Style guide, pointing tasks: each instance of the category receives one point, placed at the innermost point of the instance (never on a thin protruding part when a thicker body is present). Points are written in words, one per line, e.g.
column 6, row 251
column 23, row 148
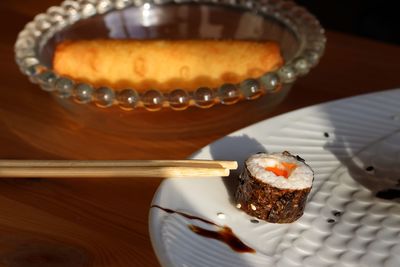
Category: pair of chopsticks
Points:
column 114, row 168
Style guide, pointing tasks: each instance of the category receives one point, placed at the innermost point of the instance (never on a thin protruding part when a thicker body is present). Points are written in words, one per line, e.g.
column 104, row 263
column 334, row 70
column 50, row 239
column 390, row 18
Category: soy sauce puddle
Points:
column 224, row 234
column 389, row 194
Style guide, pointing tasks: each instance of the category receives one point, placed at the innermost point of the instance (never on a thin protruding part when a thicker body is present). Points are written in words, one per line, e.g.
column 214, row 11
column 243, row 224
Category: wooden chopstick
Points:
column 115, row 168
column 232, row 165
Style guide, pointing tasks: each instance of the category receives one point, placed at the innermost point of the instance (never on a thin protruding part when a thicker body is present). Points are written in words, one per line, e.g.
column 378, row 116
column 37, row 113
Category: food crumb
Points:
column 330, row 220
column 238, row 205
column 253, row 207
column 336, row 213
column 326, row 134
column 369, row 168
column 221, row 215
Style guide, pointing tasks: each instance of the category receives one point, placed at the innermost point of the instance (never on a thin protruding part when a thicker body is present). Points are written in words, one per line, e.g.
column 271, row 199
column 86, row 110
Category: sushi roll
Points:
column 274, row 187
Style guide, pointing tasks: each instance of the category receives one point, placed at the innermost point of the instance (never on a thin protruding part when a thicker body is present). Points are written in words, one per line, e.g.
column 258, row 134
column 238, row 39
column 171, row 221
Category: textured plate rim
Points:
column 276, row 122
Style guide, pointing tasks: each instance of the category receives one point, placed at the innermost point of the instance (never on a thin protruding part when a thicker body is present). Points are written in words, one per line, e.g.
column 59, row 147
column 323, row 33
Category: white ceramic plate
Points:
column 353, row 145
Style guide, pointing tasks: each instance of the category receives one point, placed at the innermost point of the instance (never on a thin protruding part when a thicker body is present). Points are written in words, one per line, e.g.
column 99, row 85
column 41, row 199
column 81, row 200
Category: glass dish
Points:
column 298, row 33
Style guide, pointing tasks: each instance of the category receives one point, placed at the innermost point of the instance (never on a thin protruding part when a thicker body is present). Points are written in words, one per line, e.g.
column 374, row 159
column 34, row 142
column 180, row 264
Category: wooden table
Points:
column 103, row 222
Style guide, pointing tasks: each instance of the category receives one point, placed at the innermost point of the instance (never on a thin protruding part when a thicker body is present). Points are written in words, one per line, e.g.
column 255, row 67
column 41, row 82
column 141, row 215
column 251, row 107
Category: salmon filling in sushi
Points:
column 274, row 187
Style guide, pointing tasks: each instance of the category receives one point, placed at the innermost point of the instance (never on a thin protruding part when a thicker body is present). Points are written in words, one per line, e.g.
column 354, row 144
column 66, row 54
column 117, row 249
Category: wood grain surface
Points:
column 83, row 222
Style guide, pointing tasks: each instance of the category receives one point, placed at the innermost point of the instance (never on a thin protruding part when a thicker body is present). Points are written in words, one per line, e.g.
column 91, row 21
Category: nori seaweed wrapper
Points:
column 269, row 203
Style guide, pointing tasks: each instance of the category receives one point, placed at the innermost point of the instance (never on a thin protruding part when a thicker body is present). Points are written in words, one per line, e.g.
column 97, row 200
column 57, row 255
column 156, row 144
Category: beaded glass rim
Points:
column 56, row 18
